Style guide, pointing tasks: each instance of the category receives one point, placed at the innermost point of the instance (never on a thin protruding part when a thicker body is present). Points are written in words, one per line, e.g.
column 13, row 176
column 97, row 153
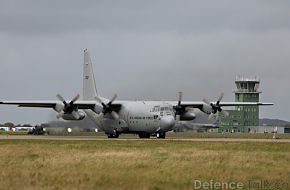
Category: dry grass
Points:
column 13, row 132
column 36, row 164
column 228, row 135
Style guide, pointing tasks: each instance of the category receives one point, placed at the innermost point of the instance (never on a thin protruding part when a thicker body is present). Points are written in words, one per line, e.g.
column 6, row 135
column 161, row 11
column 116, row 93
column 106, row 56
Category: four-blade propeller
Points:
column 178, row 108
column 216, row 107
column 107, row 108
column 68, row 107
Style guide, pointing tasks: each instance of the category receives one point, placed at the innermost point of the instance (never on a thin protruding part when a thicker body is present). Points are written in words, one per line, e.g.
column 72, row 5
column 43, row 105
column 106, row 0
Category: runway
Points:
column 135, row 138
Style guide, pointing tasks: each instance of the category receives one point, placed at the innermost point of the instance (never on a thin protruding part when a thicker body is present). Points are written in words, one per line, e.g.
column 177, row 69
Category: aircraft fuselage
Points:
column 137, row 117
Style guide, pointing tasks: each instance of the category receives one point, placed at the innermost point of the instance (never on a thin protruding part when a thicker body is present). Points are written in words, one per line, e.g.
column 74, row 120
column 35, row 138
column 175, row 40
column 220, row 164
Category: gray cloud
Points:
column 143, row 50
column 50, row 17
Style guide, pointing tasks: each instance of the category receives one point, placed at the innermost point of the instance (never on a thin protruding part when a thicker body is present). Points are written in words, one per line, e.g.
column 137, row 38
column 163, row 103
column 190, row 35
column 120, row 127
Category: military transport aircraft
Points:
column 145, row 118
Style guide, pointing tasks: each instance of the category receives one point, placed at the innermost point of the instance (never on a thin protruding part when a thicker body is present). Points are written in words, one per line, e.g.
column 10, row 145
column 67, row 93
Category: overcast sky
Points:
column 143, row 50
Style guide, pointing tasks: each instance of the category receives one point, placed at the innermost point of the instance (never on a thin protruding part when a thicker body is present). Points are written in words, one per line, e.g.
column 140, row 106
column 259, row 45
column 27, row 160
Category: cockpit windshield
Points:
column 166, row 110
column 163, row 110
column 156, row 109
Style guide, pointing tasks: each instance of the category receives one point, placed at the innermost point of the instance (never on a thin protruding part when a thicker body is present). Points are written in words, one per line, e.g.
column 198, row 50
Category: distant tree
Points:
column 9, row 124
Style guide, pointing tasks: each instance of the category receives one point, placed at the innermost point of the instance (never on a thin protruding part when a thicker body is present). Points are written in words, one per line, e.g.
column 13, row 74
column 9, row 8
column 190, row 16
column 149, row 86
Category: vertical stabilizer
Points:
column 89, row 84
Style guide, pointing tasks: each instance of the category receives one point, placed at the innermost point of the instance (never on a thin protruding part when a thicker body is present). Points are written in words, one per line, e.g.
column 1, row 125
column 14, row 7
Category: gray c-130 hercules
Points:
column 114, row 117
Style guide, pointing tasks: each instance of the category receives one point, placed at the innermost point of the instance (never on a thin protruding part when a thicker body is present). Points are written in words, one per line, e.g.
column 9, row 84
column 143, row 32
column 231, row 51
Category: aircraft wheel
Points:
column 113, row 136
column 161, row 135
column 144, row 135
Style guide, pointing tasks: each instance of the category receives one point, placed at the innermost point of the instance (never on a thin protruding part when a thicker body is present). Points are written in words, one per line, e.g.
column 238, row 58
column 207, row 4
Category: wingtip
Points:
column 266, row 104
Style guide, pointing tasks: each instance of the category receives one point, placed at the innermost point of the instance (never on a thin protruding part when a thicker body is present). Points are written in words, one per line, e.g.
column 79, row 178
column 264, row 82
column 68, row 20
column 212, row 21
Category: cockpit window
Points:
column 156, row 108
column 165, row 109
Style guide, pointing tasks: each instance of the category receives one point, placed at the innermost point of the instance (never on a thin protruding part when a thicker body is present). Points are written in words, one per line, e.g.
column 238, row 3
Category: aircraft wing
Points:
column 91, row 104
column 50, row 104
column 211, row 107
column 200, row 125
column 245, row 104
column 199, row 104
column 207, row 126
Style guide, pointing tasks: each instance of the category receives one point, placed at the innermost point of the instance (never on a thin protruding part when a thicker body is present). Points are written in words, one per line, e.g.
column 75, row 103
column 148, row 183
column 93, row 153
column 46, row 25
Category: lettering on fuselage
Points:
column 148, row 118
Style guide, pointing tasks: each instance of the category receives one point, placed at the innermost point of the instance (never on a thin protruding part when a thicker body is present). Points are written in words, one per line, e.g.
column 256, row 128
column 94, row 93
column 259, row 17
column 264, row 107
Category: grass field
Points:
column 154, row 164
column 13, row 132
column 171, row 135
column 228, row 135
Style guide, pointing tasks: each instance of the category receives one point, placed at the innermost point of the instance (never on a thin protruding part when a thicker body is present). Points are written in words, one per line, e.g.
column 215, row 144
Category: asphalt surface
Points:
column 135, row 138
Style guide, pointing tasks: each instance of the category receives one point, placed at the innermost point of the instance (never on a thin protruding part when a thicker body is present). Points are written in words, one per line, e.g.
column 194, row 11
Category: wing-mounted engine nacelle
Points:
column 76, row 115
column 182, row 113
column 187, row 116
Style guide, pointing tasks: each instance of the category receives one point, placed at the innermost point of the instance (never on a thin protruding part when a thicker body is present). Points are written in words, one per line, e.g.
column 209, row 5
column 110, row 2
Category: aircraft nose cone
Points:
column 167, row 123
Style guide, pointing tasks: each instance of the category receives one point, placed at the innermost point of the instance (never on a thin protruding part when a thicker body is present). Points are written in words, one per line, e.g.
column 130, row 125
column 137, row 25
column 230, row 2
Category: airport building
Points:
column 242, row 118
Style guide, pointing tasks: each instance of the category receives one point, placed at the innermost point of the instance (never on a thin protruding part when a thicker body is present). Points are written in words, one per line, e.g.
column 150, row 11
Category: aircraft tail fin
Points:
column 89, row 83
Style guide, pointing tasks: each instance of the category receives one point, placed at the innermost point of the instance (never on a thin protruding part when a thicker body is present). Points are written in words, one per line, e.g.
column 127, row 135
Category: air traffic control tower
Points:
column 247, row 90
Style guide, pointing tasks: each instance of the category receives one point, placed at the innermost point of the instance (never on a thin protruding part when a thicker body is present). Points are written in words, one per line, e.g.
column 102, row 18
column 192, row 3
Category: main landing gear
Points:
column 160, row 135
column 144, row 135
column 114, row 135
